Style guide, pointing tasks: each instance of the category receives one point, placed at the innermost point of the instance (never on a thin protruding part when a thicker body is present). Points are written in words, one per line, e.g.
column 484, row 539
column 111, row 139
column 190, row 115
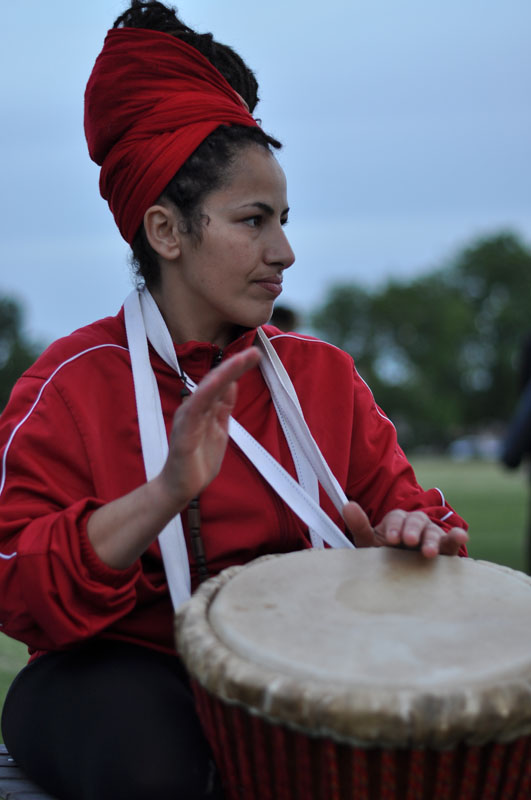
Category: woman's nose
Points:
column 280, row 252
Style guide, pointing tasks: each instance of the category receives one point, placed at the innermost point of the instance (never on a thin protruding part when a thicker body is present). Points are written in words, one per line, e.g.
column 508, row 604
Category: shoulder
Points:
column 80, row 365
column 298, row 342
column 294, row 346
column 100, row 340
column 77, row 374
column 322, row 367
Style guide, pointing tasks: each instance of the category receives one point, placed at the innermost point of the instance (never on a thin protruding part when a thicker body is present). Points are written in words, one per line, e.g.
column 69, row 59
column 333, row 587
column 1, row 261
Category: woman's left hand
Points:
column 411, row 529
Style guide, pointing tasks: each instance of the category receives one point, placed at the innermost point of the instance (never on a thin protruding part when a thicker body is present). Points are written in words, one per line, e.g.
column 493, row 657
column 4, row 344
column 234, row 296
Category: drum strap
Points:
column 143, row 322
column 305, row 450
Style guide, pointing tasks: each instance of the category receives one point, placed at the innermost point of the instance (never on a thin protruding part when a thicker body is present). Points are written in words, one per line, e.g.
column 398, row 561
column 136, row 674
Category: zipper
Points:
column 216, row 361
column 194, row 514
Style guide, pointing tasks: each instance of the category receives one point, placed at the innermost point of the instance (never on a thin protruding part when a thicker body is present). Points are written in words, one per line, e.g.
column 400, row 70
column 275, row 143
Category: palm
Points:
column 199, row 434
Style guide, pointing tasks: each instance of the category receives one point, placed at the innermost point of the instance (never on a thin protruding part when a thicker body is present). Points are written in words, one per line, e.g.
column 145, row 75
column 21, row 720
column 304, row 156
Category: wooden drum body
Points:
column 374, row 673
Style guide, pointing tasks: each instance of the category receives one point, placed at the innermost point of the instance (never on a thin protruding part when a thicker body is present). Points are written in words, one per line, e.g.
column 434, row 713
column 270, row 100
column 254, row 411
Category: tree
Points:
column 494, row 275
column 440, row 351
column 16, row 352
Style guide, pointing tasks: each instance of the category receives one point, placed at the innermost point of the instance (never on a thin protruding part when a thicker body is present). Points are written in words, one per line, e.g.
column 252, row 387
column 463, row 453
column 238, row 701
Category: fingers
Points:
column 202, row 420
column 415, row 530
column 410, row 529
column 405, row 527
column 452, row 541
column 218, row 387
column 358, row 524
column 199, row 434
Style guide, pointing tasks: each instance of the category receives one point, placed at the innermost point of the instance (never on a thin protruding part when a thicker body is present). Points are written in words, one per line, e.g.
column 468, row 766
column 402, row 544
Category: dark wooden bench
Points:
column 13, row 783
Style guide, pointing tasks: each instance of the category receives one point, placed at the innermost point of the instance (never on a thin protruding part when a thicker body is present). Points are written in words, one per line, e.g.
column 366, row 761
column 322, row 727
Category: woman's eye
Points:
column 253, row 222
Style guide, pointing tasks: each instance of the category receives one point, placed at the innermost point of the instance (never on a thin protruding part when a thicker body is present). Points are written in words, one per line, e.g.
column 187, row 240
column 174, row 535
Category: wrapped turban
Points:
column 150, row 101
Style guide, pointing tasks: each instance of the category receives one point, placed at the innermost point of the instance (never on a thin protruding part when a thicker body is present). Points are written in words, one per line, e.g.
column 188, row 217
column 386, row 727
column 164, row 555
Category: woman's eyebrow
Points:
column 265, row 207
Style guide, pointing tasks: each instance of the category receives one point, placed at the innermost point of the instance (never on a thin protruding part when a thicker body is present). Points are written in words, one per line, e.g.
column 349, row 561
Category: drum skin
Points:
column 372, row 673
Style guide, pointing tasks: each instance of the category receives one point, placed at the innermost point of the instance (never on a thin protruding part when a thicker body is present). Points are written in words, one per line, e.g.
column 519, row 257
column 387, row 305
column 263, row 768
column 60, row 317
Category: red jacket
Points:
column 70, row 443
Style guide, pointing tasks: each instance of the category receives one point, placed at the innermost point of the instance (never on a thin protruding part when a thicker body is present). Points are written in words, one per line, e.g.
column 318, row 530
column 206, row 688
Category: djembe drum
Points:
column 375, row 673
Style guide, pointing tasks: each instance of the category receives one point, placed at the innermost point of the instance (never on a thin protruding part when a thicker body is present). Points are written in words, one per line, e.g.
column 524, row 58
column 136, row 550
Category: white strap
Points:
column 291, row 492
column 154, row 442
column 305, row 472
column 286, row 399
column 143, row 317
column 294, row 424
column 309, row 461
column 156, row 330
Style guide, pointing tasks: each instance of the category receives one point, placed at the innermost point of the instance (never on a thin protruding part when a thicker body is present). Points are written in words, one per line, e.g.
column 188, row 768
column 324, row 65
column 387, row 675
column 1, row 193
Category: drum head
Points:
column 371, row 645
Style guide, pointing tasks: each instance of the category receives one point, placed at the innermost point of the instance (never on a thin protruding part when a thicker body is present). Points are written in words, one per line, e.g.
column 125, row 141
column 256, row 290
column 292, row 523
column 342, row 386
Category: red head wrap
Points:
column 150, row 101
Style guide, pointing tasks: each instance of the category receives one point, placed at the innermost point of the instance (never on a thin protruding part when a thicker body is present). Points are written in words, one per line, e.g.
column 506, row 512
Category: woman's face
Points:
column 234, row 275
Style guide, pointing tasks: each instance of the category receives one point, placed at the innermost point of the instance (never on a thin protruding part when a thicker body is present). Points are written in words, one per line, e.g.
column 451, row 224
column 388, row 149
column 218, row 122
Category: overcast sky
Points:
column 406, row 129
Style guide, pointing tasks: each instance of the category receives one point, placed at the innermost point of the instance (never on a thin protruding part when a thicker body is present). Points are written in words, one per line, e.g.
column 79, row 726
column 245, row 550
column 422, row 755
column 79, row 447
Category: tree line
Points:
column 440, row 352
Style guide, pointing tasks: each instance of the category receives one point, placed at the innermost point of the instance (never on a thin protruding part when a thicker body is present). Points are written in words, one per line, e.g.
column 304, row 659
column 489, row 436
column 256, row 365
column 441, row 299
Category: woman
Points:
column 103, row 709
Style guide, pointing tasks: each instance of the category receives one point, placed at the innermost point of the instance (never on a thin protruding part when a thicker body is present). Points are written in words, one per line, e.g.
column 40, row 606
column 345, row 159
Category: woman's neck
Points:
column 185, row 326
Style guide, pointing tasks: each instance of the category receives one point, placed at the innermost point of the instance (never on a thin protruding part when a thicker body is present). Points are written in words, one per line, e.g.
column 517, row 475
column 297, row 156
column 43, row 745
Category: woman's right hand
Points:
column 123, row 529
column 199, row 432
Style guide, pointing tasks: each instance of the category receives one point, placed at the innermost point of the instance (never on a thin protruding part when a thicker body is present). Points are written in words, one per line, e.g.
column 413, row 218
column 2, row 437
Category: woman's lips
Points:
column 272, row 285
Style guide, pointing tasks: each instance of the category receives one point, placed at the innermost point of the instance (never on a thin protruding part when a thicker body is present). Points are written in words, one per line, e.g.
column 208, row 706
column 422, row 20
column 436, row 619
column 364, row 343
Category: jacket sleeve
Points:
column 54, row 590
column 381, row 477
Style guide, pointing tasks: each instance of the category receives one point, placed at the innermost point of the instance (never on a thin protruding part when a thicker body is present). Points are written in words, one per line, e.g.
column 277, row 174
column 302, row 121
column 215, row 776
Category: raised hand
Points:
column 199, row 432
column 121, row 530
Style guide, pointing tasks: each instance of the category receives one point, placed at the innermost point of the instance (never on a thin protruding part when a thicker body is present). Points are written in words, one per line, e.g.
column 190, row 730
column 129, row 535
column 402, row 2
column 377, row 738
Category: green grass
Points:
column 493, row 501
column 13, row 656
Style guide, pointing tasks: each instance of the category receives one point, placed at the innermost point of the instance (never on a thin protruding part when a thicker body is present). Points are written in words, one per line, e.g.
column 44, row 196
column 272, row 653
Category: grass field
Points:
column 493, row 501
column 13, row 655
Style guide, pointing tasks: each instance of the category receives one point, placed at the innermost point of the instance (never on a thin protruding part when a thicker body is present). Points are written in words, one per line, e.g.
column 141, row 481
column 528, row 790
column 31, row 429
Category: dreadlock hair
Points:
column 209, row 166
column 158, row 17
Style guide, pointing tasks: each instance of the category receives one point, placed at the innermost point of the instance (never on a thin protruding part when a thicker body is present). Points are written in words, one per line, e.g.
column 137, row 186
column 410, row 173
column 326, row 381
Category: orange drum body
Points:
column 335, row 674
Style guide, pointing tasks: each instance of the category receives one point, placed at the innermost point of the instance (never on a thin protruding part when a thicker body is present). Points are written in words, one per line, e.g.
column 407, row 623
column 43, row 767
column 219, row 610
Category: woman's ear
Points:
column 162, row 231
